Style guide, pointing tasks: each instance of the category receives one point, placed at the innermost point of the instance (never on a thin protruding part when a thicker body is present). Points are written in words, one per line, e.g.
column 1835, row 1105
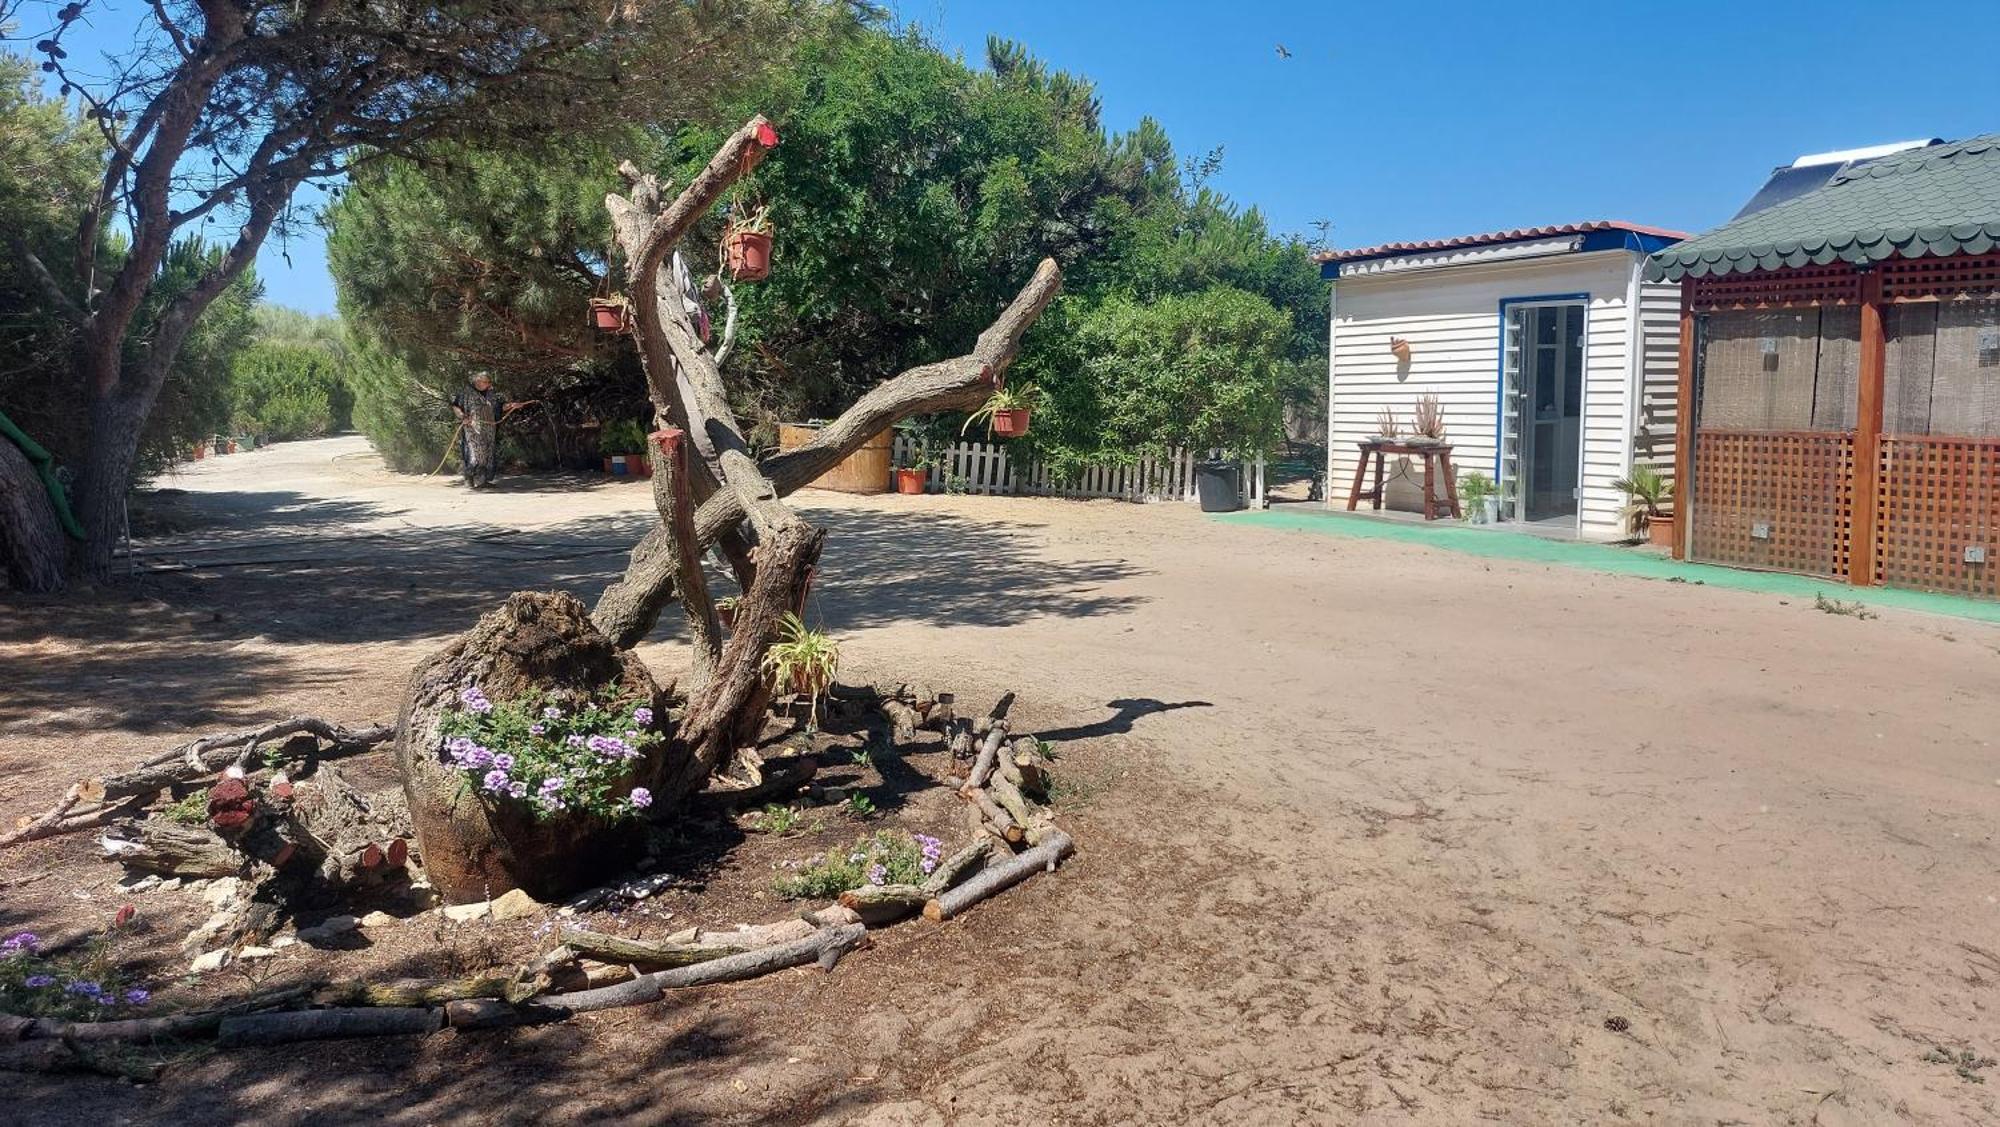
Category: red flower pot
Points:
column 1660, row 530
column 911, row 481
column 749, row 255
column 1012, row 423
column 607, row 315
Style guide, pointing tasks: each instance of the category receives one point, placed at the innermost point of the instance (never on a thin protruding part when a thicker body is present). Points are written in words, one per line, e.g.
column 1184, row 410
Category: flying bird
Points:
column 1283, row 52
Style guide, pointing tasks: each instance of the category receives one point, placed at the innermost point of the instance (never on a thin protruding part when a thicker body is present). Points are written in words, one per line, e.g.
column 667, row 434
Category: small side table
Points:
column 1437, row 461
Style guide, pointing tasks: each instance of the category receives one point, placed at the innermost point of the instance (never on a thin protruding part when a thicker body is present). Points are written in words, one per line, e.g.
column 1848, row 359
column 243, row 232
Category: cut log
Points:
column 824, row 946
column 170, row 849
column 483, row 1013
column 960, row 741
column 351, row 838
column 749, row 936
column 961, row 862
column 989, row 751
column 1031, row 766
column 904, row 720
column 647, row 954
column 878, row 904
column 998, row 878
column 322, row 1025
column 1025, row 814
column 1002, row 822
column 422, row 991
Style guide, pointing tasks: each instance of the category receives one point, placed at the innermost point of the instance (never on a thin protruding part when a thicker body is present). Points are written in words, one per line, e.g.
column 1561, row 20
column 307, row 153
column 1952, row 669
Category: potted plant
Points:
column 624, row 446
column 747, row 246
column 1006, row 412
column 1480, row 497
column 1648, row 508
column 608, row 314
column 803, row 661
column 1427, row 422
column 914, row 475
column 1387, row 427
column 725, row 610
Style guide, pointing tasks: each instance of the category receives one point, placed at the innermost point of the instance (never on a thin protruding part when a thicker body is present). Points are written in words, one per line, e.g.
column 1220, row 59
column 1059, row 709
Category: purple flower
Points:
column 37, row 981
column 552, row 713
column 22, row 941
column 474, row 700
column 877, row 874
column 631, row 734
column 138, row 996
column 641, row 798
column 553, row 784
column 479, row 757
column 496, row 781
column 575, row 741
column 517, row 789
column 642, row 716
column 503, row 762
column 84, row 987
column 538, row 729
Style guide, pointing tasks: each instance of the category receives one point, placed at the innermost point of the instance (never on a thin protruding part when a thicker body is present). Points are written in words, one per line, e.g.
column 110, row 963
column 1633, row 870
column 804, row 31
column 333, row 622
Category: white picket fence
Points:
column 984, row 468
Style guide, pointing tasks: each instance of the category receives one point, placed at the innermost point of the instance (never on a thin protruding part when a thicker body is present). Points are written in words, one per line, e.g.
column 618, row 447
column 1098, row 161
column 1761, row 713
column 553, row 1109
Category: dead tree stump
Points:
column 475, row 847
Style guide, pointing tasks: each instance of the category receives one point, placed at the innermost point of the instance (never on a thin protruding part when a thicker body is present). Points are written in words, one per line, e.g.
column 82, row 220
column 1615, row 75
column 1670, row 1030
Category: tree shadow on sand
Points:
column 197, row 637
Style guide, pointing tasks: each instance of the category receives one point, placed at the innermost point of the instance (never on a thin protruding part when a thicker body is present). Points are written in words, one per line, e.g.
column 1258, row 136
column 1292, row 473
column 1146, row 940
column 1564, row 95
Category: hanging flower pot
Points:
column 911, row 480
column 749, row 255
column 608, row 314
column 1010, row 423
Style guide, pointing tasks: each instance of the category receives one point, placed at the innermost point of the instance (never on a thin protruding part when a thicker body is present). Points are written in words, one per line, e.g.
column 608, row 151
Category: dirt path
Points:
column 1374, row 833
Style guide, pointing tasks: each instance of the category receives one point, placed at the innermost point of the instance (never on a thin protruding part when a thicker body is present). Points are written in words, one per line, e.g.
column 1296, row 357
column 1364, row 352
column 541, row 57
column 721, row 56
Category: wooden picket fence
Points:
column 984, row 468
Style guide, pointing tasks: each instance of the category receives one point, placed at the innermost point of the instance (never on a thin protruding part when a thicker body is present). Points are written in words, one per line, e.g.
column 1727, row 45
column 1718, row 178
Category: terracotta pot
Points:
column 607, row 463
column 749, row 255
column 200, row 451
column 911, row 481
column 642, row 464
column 608, row 316
column 1011, row 423
column 1660, row 530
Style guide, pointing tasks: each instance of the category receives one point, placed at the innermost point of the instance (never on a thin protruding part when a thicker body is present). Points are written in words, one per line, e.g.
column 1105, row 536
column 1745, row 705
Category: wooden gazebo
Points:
column 1840, row 377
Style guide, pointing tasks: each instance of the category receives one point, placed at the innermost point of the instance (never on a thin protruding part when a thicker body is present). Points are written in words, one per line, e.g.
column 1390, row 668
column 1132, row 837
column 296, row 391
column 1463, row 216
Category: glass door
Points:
column 1541, row 410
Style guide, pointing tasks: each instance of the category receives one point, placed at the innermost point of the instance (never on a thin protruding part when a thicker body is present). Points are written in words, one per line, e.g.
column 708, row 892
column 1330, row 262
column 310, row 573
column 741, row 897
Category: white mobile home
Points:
column 1552, row 356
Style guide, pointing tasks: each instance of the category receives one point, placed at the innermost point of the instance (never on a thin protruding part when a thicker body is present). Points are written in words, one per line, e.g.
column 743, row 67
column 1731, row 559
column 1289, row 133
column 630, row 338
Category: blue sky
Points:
column 1411, row 119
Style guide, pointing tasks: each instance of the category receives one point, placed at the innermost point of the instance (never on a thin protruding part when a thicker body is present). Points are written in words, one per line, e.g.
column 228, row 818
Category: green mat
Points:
column 1497, row 544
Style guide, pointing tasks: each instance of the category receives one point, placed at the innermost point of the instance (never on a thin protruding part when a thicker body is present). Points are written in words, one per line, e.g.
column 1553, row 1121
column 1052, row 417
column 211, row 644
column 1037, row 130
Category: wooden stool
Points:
column 1437, row 460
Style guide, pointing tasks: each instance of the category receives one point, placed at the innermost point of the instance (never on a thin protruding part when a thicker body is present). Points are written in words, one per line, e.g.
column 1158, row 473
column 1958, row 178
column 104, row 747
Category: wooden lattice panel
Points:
column 1776, row 500
column 1939, row 496
column 1916, row 279
column 1835, row 284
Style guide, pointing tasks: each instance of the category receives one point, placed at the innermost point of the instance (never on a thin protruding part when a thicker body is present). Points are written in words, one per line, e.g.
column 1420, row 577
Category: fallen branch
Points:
column 644, row 953
column 999, row 878
column 323, row 1025
column 105, row 797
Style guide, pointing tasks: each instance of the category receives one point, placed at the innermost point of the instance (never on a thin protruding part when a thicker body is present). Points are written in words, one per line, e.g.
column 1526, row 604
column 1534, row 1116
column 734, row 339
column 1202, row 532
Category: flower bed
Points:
column 85, row 987
column 885, row 857
column 550, row 758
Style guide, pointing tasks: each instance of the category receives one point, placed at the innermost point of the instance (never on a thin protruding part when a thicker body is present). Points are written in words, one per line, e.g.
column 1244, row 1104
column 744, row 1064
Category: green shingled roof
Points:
column 1940, row 200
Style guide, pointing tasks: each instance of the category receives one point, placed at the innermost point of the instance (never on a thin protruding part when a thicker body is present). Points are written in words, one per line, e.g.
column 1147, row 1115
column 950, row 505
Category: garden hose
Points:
column 45, row 468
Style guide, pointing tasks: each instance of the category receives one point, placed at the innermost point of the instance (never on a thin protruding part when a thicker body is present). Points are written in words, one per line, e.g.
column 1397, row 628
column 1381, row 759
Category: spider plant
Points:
column 754, row 221
column 1387, row 425
column 803, row 660
column 1002, row 400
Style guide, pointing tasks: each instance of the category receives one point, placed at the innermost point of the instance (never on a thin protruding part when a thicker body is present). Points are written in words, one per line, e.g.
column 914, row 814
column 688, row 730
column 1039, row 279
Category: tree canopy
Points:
column 909, row 193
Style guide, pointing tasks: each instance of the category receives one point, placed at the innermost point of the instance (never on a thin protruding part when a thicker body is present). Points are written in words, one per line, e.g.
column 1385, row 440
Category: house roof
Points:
column 1936, row 200
column 1492, row 238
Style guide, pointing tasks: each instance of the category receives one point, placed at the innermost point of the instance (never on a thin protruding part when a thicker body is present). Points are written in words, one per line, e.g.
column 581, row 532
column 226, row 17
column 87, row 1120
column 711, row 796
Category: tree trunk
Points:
column 32, row 546
column 476, row 847
column 99, row 502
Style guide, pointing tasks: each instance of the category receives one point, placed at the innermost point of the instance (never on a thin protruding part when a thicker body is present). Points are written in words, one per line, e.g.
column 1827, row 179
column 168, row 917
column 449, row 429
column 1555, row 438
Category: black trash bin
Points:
column 1216, row 484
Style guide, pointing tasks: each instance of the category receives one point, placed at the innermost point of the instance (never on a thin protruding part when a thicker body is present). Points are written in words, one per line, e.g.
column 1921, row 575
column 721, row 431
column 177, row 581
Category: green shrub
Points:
column 285, row 391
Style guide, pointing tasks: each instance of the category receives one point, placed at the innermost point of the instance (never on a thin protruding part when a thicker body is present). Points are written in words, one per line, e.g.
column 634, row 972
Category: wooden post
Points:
column 1867, row 434
column 1684, row 408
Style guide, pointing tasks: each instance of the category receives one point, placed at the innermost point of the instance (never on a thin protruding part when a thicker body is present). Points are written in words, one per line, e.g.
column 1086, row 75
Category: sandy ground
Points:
column 1371, row 833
